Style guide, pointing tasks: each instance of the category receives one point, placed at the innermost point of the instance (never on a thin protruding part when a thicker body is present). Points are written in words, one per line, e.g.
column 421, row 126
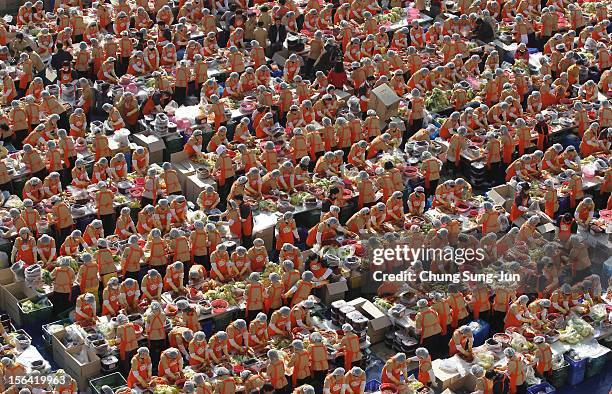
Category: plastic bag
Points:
column 82, row 357
column 530, row 377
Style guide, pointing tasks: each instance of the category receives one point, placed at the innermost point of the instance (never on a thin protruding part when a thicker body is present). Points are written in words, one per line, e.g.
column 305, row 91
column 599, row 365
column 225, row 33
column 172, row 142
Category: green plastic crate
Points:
column 595, row 365
column 558, row 376
column 39, row 316
column 222, row 320
column 114, row 380
column 47, row 336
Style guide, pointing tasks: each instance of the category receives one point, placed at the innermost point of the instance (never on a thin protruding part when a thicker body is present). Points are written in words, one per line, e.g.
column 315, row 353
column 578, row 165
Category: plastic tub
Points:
column 576, row 371
column 37, row 317
column 544, row 387
column 114, row 380
column 45, row 329
column 372, row 386
column 595, row 365
column 481, row 335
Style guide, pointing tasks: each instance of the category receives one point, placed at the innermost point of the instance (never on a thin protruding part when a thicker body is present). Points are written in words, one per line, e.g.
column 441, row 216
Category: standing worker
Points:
column 88, row 277
column 515, row 370
column 126, row 338
column 63, row 278
column 105, row 209
column 349, row 346
column 318, row 360
column 155, row 321
column 300, row 361
column 254, row 296
column 428, row 326
column 543, row 356
column 276, row 372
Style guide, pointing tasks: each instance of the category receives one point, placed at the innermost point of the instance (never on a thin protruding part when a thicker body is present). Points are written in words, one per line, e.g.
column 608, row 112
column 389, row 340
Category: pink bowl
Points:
column 183, row 123
column 132, row 88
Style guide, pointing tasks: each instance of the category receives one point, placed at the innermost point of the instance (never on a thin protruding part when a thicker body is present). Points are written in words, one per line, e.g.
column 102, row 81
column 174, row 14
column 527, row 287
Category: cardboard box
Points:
column 183, row 167
column 12, row 295
column 384, row 101
column 452, row 382
column 116, row 148
column 548, row 231
column 355, row 280
column 502, row 195
column 194, row 186
column 6, row 278
column 378, row 323
column 267, row 234
column 154, row 144
column 58, row 348
column 334, row 291
column 82, row 373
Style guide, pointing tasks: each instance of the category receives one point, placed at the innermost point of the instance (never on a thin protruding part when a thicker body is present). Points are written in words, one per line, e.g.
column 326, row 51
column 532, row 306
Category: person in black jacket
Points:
column 277, row 33
column 60, row 57
column 483, row 31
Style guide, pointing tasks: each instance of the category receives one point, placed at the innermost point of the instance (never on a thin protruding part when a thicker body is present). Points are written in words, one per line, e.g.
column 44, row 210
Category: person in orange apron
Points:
column 461, row 342
column 515, row 370
column 225, row 383
column 220, row 265
column 125, row 225
column 459, row 314
column 65, row 383
column 258, row 331
column 254, row 293
column 152, row 286
column 24, row 248
column 179, row 338
column 567, row 226
column 355, row 381
column 85, row 311
column 483, row 384
column 515, row 317
column 218, row 347
column 561, row 299
column 276, row 372
column 301, row 290
column 394, row 369
column 198, row 351
column 238, row 335
column 126, row 338
column 141, row 369
column 242, row 265
column 427, row 326
column 442, row 307
column 63, row 279
column 104, row 258
column 110, row 298
column 349, row 346
column 280, row 322
column 170, row 365
column 173, row 279
column 521, row 203
column 155, row 319
column 425, row 375
column 286, row 231
column 300, row 361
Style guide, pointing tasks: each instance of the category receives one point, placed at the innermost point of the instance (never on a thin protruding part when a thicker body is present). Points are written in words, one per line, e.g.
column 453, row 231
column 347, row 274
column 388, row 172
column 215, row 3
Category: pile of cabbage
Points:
column 576, row 330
